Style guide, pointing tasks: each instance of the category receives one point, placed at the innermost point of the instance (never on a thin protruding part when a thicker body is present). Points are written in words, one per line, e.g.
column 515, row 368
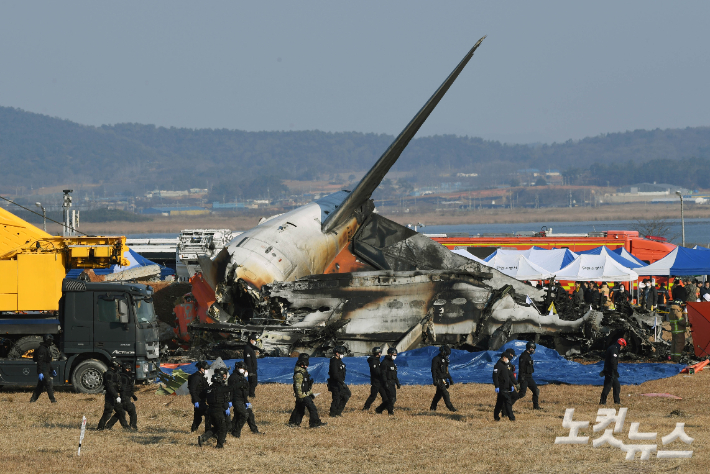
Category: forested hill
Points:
column 39, row 150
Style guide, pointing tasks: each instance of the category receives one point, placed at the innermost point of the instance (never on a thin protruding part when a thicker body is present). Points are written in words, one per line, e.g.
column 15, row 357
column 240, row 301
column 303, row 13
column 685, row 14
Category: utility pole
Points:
column 44, row 215
column 682, row 219
column 67, row 229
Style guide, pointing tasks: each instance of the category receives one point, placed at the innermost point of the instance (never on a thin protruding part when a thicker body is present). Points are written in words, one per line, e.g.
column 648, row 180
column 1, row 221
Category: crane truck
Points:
column 93, row 323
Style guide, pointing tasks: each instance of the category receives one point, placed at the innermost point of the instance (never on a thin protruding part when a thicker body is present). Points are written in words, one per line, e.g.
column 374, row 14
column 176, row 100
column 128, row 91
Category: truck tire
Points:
column 25, row 347
column 88, row 377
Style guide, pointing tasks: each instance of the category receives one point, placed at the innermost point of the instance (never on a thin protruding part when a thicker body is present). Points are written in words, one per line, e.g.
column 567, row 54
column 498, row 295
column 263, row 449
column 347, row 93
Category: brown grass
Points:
column 43, row 438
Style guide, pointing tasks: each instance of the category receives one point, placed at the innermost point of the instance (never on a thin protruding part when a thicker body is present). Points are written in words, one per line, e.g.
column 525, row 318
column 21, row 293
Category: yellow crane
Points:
column 33, row 263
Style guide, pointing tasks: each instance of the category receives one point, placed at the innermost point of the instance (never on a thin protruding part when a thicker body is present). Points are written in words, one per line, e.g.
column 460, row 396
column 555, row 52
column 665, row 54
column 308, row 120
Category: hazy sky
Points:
column 548, row 71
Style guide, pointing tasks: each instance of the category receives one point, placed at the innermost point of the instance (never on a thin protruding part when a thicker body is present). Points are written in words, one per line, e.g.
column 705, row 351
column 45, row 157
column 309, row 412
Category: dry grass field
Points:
column 41, row 437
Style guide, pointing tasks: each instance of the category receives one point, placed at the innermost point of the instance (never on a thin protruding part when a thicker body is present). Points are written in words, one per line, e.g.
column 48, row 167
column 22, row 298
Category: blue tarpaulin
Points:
column 414, row 368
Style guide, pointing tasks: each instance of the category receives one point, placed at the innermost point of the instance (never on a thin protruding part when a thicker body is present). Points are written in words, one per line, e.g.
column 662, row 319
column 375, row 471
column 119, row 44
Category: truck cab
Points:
column 96, row 322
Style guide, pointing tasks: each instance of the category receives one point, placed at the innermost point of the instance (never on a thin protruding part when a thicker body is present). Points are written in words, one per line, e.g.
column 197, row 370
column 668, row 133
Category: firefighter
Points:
column 441, row 378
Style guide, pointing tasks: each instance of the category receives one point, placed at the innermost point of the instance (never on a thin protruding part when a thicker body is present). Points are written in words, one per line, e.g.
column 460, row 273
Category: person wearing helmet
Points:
column 219, row 400
column 127, row 386
column 239, row 385
column 441, row 378
column 377, row 383
column 43, row 357
column 504, row 385
column 251, row 353
column 525, row 375
column 112, row 396
column 610, row 372
column 197, row 386
column 336, row 382
column 389, row 374
column 302, row 389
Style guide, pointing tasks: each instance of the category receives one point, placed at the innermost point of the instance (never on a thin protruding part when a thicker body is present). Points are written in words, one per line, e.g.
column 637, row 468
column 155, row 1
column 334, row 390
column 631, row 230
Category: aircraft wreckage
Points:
column 335, row 272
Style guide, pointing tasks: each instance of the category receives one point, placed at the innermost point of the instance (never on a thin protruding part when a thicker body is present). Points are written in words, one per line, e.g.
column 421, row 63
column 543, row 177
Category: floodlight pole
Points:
column 44, row 215
column 682, row 218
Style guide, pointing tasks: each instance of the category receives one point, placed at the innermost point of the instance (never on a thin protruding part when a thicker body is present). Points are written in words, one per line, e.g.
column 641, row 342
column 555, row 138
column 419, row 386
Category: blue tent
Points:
column 623, row 253
column 612, row 254
column 414, row 368
column 679, row 262
column 136, row 259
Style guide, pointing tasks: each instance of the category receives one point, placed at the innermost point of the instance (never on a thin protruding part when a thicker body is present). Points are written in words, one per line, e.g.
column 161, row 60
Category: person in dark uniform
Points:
column 127, row 391
column 441, row 378
column 389, row 375
column 611, row 373
column 239, row 386
column 219, row 401
column 678, row 292
column 336, row 382
column 43, row 357
column 302, row 384
column 525, row 375
column 112, row 396
column 504, row 385
column 377, row 383
column 250, row 355
column 197, row 386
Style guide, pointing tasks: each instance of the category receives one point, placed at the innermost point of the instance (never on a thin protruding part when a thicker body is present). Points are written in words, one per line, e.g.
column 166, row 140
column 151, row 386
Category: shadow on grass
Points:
column 441, row 414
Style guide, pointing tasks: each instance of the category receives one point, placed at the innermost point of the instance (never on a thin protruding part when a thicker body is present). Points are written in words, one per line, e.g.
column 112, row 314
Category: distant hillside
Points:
column 36, row 150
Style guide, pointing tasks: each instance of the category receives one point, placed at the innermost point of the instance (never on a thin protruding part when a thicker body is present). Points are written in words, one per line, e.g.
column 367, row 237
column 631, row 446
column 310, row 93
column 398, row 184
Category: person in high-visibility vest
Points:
column 678, row 325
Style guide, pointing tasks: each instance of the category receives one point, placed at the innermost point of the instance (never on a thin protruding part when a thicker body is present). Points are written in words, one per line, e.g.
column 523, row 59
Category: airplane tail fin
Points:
column 372, row 179
column 213, row 270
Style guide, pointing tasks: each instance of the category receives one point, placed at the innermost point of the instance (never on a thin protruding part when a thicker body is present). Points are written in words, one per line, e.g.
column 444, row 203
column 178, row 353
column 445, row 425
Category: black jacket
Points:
column 239, row 385
column 128, row 386
column 525, row 366
column 43, row 358
column 375, row 370
column 336, row 372
column 389, row 371
column 218, row 397
column 611, row 360
column 250, row 359
column 112, row 384
column 440, row 369
column 502, row 376
column 679, row 293
column 197, row 385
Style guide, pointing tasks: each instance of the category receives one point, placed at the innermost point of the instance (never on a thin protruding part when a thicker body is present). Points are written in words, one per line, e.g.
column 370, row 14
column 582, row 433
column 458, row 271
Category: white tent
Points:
column 465, row 253
column 551, row 260
column 596, row 268
column 518, row 267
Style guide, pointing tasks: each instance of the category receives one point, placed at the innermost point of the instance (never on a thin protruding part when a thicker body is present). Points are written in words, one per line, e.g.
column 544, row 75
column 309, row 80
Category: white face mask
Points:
column 394, row 357
column 241, row 371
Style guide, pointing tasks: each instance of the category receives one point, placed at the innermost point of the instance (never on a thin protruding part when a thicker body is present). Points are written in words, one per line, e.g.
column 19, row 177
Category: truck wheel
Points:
column 88, row 377
column 25, row 347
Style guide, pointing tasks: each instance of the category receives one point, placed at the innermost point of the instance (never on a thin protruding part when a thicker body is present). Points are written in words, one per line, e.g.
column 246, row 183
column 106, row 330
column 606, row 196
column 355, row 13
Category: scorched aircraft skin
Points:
column 271, row 279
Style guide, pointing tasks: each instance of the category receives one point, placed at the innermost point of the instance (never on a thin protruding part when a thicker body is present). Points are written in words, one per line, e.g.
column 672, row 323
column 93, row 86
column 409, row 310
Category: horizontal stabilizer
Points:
column 213, row 270
column 374, row 177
